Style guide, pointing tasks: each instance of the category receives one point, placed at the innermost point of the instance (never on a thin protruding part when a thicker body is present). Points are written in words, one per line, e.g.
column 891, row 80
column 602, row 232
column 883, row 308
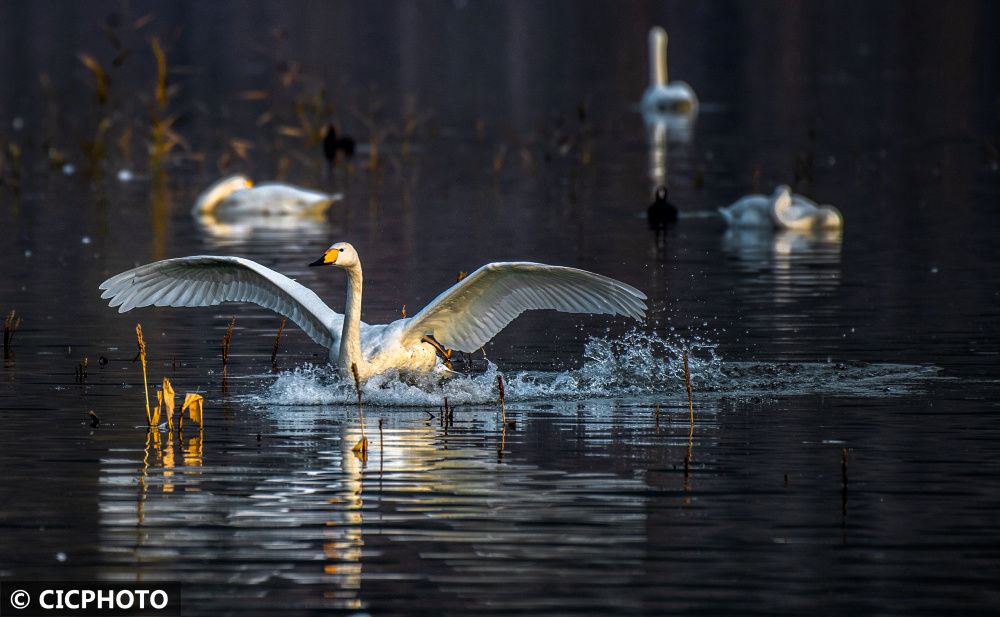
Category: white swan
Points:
column 465, row 317
column 236, row 196
column 802, row 213
column 782, row 210
column 756, row 210
column 662, row 97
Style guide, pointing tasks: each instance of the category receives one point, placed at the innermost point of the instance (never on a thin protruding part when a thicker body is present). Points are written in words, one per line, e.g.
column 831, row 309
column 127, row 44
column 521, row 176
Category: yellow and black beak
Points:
column 328, row 259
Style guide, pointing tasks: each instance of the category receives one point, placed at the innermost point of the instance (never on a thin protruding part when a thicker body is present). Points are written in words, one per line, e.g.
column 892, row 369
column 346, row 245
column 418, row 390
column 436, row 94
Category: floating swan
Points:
column 782, row 210
column 237, row 196
column 802, row 213
column 662, row 97
column 465, row 317
column 756, row 210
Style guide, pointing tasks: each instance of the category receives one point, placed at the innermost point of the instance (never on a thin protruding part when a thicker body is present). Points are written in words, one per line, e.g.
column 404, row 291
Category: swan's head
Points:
column 781, row 198
column 219, row 191
column 340, row 254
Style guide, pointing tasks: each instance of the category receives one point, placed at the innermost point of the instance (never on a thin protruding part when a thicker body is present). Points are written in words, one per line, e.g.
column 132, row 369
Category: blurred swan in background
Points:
column 756, row 210
column 662, row 97
column 802, row 213
column 236, row 196
column 782, row 210
column 464, row 317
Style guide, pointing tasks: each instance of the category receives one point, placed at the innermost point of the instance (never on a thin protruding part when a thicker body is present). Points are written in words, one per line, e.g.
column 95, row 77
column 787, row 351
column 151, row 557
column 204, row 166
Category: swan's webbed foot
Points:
column 445, row 353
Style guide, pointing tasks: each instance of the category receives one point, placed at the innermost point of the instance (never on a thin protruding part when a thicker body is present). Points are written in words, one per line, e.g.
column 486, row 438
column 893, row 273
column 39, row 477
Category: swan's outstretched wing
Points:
column 472, row 311
column 206, row 280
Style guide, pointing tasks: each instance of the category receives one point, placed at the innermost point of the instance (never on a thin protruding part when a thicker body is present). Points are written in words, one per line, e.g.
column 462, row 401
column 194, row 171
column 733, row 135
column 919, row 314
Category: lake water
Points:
column 840, row 451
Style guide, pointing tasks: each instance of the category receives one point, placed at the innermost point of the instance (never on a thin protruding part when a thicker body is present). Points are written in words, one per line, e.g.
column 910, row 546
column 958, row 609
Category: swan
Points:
column 237, row 196
column 782, row 210
column 801, row 213
column 662, row 97
column 464, row 317
column 756, row 210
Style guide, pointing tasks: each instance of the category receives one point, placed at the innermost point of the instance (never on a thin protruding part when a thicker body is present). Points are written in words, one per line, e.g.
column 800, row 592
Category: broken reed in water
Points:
column 9, row 328
column 503, row 407
column 81, row 370
column 274, row 352
column 362, row 445
column 225, row 344
column 687, row 382
column 165, row 396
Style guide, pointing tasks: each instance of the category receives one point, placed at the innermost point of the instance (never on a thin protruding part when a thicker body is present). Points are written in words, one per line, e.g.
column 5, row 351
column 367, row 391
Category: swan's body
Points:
column 237, row 196
column 782, row 210
column 464, row 317
column 757, row 210
column 802, row 213
column 662, row 97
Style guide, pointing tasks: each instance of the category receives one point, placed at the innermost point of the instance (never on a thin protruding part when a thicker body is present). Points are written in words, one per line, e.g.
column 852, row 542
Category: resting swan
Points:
column 756, row 210
column 662, row 97
column 236, row 196
column 782, row 210
column 465, row 317
column 802, row 213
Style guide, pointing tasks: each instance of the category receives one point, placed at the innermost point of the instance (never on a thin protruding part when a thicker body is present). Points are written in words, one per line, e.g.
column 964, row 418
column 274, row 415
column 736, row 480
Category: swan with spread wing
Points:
column 464, row 317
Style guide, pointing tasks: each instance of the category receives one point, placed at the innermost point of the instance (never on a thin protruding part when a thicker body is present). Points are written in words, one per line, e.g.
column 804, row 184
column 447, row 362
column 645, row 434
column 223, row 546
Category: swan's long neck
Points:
column 350, row 336
column 657, row 57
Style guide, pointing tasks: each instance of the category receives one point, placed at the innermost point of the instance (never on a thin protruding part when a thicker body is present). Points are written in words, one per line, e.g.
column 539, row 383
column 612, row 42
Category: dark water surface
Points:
column 510, row 131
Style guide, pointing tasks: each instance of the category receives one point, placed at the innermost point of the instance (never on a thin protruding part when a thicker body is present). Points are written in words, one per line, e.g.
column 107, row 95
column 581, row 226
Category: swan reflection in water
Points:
column 302, row 511
column 793, row 263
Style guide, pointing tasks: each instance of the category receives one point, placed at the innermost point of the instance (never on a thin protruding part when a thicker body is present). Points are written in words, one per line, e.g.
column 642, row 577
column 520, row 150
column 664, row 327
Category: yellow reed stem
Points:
column 145, row 386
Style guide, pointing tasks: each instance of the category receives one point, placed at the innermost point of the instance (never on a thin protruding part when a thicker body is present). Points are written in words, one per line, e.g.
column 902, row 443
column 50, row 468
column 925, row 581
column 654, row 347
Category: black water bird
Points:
column 332, row 143
column 661, row 213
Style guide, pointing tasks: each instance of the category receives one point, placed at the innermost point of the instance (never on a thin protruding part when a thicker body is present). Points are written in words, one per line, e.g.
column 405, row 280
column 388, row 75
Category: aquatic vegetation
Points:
column 100, row 77
column 145, row 384
column 165, row 397
column 687, row 383
column 225, row 344
column 362, row 446
column 10, row 326
column 81, row 370
column 277, row 339
column 501, row 398
column 193, row 405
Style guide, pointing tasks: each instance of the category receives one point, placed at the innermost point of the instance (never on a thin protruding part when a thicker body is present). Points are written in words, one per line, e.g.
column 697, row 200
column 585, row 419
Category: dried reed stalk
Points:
column 362, row 445
column 274, row 352
column 145, row 386
column 225, row 344
column 9, row 328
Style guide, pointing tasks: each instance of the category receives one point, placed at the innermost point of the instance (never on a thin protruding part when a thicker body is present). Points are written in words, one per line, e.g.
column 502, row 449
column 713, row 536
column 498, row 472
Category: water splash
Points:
column 637, row 365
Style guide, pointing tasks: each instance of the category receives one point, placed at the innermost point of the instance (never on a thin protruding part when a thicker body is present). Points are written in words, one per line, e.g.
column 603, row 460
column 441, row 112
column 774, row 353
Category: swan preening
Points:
column 464, row 317
column 782, row 210
column 662, row 97
column 236, row 196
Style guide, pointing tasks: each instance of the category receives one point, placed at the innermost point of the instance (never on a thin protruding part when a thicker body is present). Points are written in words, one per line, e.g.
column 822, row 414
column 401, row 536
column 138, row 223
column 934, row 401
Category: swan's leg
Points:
column 445, row 353
column 430, row 340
